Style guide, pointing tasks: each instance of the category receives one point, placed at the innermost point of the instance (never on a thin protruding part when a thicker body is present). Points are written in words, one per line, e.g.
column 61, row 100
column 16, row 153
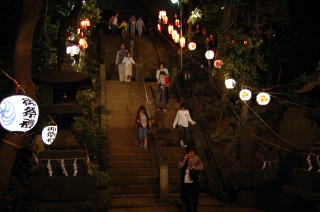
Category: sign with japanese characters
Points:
column 18, row 113
column 48, row 134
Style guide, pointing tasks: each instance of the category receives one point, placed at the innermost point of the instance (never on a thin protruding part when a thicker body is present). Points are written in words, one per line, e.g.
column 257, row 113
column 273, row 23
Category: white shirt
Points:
column 128, row 61
column 183, row 118
column 159, row 70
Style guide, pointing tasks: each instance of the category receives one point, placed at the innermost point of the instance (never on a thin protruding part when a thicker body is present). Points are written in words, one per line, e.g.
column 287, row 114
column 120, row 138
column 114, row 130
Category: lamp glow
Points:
column 72, row 50
column 165, row 19
column 263, row 98
column 192, row 46
column 162, row 13
column 174, row 1
column 83, row 43
column 177, row 38
column 48, row 134
column 230, row 83
column 159, row 27
column 209, row 55
column 18, row 113
column 245, row 94
column 170, row 29
column 218, row 63
column 182, row 42
column 177, row 23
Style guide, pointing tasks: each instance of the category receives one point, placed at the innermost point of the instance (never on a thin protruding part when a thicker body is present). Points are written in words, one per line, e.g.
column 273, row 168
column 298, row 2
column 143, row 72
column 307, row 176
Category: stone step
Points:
column 134, row 189
column 138, row 164
column 143, row 156
column 135, row 149
column 134, row 180
column 141, row 171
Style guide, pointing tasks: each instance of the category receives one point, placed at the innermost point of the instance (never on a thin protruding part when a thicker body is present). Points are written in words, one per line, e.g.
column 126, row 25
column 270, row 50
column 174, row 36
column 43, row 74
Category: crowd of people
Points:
column 190, row 165
column 129, row 28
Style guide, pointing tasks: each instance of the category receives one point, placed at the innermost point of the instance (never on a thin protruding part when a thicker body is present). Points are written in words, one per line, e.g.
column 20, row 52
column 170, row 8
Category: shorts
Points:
column 142, row 133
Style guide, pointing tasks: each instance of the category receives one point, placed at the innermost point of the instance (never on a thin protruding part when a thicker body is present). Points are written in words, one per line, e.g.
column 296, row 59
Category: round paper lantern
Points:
column 263, row 98
column 218, row 63
column 165, row 19
column 18, row 113
column 83, row 43
column 245, row 94
column 177, row 23
column 177, row 38
column 174, row 1
column 230, row 83
column 72, row 50
column 174, row 34
column 162, row 13
column 209, row 54
column 182, row 42
column 192, row 46
column 48, row 134
column 170, row 29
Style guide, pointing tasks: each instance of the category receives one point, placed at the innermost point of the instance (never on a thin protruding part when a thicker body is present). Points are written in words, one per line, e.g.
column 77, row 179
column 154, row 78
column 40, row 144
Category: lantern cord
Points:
column 275, row 145
column 270, row 128
column 10, row 143
column 258, row 117
column 11, row 78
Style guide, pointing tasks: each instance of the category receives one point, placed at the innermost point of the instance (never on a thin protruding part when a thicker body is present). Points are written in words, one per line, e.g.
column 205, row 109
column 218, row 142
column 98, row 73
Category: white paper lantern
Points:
column 48, row 134
column 18, row 113
column 192, row 46
column 209, row 54
column 72, row 50
column 230, row 83
column 263, row 98
column 245, row 94
column 174, row 1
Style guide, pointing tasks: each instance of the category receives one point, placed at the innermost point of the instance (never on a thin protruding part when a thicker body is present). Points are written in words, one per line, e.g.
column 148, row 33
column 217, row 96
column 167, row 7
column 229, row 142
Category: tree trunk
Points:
column 22, row 70
column 63, row 30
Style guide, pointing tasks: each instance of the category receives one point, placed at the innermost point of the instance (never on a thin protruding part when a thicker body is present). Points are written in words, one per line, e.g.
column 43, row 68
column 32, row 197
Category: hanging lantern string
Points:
column 11, row 78
column 255, row 113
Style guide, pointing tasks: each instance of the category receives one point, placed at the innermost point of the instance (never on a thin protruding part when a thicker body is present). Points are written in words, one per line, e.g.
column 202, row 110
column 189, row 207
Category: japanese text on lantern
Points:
column 29, row 114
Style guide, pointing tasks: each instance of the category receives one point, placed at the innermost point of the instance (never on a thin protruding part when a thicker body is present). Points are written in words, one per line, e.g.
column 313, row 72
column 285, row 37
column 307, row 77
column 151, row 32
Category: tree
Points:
column 22, row 60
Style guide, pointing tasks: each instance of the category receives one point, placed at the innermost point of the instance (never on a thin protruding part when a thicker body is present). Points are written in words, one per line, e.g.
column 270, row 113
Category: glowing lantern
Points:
column 211, row 38
column 245, row 42
column 174, row 33
column 18, row 113
column 72, row 50
column 245, row 94
column 174, row 1
column 78, row 31
column 162, row 13
column 209, row 55
column 165, row 19
column 177, row 23
column 170, row 29
column 263, row 98
column 218, row 63
column 48, row 134
column 230, row 83
column 87, row 22
column 83, row 43
column 159, row 27
column 192, row 46
column 177, row 38
column 182, row 42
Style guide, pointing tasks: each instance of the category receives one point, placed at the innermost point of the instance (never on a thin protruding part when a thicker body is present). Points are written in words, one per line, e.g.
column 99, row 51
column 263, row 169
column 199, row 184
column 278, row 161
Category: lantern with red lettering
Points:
column 218, row 63
column 182, row 42
column 83, row 43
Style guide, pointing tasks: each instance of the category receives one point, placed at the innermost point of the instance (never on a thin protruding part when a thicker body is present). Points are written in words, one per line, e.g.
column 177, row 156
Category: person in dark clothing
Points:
column 190, row 167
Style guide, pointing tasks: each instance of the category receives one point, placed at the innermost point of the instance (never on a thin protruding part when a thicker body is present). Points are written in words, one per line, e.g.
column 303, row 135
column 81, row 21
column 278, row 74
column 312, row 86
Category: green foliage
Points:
column 195, row 16
column 103, row 179
column 91, row 11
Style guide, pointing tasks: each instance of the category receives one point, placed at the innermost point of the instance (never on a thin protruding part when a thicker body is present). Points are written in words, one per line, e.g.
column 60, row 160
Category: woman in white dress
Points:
column 128, row 63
